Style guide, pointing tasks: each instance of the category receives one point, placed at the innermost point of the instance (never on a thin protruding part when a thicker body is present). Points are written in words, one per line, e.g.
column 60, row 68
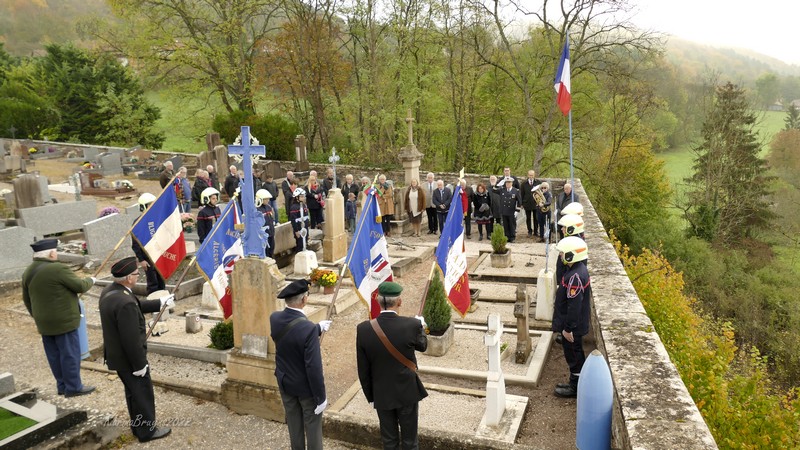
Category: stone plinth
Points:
column 334, row 244
column 545, row 295
column 305, row 262
column 411, row 158
column 521, row 314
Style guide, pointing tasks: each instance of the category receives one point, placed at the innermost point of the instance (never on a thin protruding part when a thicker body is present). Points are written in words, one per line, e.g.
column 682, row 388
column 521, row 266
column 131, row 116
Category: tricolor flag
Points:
column 160, row 233
column 562, row 84
column 368, row 255
column 220, row 250
column 451, row 258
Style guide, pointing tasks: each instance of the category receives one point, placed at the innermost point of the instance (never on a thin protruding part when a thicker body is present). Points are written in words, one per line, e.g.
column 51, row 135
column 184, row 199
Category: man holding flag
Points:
column 221, row 249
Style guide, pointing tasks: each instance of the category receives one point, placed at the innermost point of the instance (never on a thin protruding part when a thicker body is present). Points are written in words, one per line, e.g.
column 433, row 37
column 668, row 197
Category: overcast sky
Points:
column 771, row 27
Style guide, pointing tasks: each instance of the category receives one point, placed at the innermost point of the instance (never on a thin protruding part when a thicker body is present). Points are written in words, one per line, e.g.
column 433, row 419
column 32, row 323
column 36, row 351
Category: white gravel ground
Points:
column 470, row 342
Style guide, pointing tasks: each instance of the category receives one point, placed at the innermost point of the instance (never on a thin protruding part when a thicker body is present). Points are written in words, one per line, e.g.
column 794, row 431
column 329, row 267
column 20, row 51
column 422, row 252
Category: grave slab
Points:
column 104, row 233
column 17, row 253
column 524, row 269
column 111, row 164
column 7, row 386
column 57, row 218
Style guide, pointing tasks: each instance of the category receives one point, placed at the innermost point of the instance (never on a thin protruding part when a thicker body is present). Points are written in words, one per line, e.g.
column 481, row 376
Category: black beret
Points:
column 44, row 244
column 389, row 289
column 296, row 287
column 124, row 267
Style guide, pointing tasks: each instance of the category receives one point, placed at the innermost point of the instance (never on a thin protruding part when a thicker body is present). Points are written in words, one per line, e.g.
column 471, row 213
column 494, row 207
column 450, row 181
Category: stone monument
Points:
column 521, row 311
column 409, row 155
column 334, row 244
column 495, row 382
column 300, row 153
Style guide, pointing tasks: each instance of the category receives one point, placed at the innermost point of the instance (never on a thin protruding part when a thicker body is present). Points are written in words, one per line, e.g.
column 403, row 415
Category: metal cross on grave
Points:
column 253, row 239
column 333, row 159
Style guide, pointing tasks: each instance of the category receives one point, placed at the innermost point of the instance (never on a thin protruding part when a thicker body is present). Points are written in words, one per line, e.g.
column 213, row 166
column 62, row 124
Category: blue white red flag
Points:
column 368, row 255
column 452, row 259
column 216, row 257
column 562, row 84
column 160, row 233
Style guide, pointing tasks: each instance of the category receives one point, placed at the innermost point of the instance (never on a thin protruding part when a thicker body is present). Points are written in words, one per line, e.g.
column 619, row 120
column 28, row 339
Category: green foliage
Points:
column 732, row 389
column 768, row 89
column 792, row 120
column 222, row 335
column 499, row 240
column 437, row 309
column 22, row 106
column 272, row 130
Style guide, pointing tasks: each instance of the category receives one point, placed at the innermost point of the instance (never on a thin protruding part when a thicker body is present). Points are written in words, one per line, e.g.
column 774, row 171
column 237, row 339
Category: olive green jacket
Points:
column 51, row 296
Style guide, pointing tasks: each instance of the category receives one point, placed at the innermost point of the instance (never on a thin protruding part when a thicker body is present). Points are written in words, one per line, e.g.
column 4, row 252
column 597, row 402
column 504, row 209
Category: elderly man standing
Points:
column 125, row 343
column 288, row 186
column 166, row 174
column 441, row 201
column 387, row 368
column 50, row 293
column 212, row 176
column 298, row 367
column 429, row 185
column 231, row 181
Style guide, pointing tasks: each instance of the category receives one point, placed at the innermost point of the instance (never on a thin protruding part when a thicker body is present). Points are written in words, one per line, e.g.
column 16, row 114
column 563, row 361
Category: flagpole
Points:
column 136, row 222
column 427, row 286
column 571, row 166
column 209, row 238
column 164, row 307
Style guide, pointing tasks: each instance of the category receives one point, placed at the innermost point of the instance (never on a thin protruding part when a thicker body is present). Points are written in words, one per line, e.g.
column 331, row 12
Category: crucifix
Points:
column 253, row 238
column 333, row 159
column 410, row 121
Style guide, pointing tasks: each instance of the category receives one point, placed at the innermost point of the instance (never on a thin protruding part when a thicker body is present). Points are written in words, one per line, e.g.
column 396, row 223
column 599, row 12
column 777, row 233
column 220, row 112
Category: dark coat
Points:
column 442, row 199
column 272, row 188
column 510, row 201
column 480, row 199
column 205, row 220
column 294, row 216
column 384, row 379
column 164, row 178
column 124, row 327
column 298, row 361
column 230, row 185
column 573, row 295
column 327, row 185
column 496, row 199
column 50, row 293
column 200, row 184
column 468, row 192
column 347, row 189
column 315, row 197
column 564, row 200
column 527, row 196
column 286, row 188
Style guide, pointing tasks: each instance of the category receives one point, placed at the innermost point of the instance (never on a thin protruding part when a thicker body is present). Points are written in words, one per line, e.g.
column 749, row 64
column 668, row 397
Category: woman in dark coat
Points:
column 315, row 198
column 482, row 210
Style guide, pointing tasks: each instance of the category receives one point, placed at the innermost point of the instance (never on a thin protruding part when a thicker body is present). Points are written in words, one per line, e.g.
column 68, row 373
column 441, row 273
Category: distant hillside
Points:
column 737, row 65
column 26, row 26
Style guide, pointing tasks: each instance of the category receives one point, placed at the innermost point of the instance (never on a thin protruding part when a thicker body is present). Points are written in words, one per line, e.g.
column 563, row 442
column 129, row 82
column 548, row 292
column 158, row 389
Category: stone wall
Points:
column 652, row 407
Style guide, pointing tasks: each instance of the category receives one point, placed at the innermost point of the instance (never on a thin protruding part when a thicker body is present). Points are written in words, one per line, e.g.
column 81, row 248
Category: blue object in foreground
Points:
column 595, row 400
column 83, row 332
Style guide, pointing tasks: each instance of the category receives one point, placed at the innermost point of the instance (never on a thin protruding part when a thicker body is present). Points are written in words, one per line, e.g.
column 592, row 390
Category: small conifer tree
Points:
column 499, row 240
column 436, row 310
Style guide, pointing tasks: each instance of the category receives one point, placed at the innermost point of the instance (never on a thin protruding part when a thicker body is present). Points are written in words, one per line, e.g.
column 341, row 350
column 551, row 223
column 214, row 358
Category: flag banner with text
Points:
column 220, row 250
column 160, row 233
column 451, row 257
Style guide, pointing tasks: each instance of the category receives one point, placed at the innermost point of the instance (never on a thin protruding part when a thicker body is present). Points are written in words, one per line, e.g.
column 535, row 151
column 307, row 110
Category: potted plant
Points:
column 501, row 255
column 438, row 317
column 323, row 278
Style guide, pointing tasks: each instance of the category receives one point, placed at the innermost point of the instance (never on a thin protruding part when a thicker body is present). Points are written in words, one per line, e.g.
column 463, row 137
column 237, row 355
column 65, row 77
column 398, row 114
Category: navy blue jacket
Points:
column 298, row 361
column 573, row 295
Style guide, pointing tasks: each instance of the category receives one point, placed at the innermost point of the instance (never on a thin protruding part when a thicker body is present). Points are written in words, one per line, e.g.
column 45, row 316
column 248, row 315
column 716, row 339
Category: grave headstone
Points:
column 204, row 159
column 212, row 141
column 90, row 154
column 103, row 234
column 132, row 210
column 221, row 155
column 123, row 153
column 2, row 147
column 44, row 188
column 300, row 153
column 111, row 164
column 13, row 162
column 58, row 217
column 17, row 149
column 27, row 192
column 495, row 382
column 17, row 253
column 177, row 162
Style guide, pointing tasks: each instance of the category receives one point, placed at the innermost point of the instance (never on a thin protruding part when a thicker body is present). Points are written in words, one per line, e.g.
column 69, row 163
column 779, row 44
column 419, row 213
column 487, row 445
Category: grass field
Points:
column 185, row 123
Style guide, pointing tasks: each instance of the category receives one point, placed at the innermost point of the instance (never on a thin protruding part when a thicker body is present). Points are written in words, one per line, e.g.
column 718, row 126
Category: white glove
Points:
column 143, row 372
column 168, row 300
column 94, row 280
column 515, row 214
column 325, row 325
column 421, row 321
column 321, row 407
column 371, row 404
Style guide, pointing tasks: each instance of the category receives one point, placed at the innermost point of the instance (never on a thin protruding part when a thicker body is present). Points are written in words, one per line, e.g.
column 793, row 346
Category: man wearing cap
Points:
column 387, row 370
column 510, row 203
column 124, row 331
column 298, row 367
column 50, row 293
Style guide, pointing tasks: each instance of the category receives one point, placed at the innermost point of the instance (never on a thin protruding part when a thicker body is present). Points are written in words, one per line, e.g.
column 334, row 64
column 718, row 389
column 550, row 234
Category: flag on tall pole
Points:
column 220, row 250
column 160, row 232
column 368, row 255
column 562, row 83
column 451, row 256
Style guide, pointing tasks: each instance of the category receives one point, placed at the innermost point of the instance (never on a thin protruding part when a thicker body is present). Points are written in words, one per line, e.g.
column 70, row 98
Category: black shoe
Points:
column 530, row 233
column 469, row 236
column 84, row 390
column 559, row 338
column 480, row 238
column 566, row 392
column 158, row 434
column 562, row 385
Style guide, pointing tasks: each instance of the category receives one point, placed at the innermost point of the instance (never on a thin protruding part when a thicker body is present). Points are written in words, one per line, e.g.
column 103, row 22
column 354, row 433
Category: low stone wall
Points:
column 652, row 407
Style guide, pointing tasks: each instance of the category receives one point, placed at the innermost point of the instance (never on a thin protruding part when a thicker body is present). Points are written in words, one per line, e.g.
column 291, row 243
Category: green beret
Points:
column 390, row 289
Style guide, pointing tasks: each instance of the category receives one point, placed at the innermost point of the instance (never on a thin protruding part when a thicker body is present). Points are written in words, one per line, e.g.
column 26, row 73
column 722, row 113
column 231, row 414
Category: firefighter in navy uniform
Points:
column 154, row 280
column 263, row 199
column 569, row 225
column 510, row 204
column 571, row 315
column 298, row 216
column 209, row 214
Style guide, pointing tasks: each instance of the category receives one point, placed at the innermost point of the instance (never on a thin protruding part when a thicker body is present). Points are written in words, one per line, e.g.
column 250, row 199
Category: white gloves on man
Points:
column 142, row 372
column 321, row 407
column 325, row 325
column 421, row 321
column 168, row 300
column 94, row 280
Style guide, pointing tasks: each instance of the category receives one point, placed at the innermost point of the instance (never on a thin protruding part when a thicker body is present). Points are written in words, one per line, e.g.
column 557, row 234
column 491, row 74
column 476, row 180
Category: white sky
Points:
column 771, row 27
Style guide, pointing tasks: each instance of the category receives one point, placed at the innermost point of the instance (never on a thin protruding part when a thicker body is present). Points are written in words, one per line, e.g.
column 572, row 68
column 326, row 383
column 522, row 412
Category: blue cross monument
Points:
column 254, row 237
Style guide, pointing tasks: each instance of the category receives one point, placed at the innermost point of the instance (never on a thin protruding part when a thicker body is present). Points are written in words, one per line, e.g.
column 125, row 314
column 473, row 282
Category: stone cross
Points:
column 253, row 238
column 410, row 121
column 333, row 159
column 521, row 312
column 495, row 382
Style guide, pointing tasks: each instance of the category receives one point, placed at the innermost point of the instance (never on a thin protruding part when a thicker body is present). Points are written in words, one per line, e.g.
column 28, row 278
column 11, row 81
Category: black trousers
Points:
column 386, row 223
column 154, row 280
column 510, row 227
column 531, row 220
column 573, row 353
column 432, row 222
column 468, row 224
column 405, row 419
column 141, row 403
column 543, row 219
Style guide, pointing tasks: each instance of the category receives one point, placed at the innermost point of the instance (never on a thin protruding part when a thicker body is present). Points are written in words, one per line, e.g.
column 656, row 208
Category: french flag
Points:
column 160, row 232
column 368, row 256
column 452, row 259
column 562, row 84
column 219, row 252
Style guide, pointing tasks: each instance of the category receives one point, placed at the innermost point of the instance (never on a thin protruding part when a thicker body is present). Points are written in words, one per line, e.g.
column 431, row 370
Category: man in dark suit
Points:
column 510, row 202
column 298, row 367
column 288, row 189
column 122, row 319
column 507, row 174
column 528, row 201
column 442, row 197
column 231, row 181
column 388, row 376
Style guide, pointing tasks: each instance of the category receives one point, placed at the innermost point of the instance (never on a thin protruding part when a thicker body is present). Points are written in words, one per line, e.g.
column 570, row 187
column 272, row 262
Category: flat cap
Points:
column 389, row 289
column 44, row 244
column 296, row 287
column 124, row 267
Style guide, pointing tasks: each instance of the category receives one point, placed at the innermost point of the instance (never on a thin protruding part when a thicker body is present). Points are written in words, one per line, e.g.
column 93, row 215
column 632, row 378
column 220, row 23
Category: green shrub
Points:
column 437, row 309
column 499, row 240
column 222, row 335
column 273, row 131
